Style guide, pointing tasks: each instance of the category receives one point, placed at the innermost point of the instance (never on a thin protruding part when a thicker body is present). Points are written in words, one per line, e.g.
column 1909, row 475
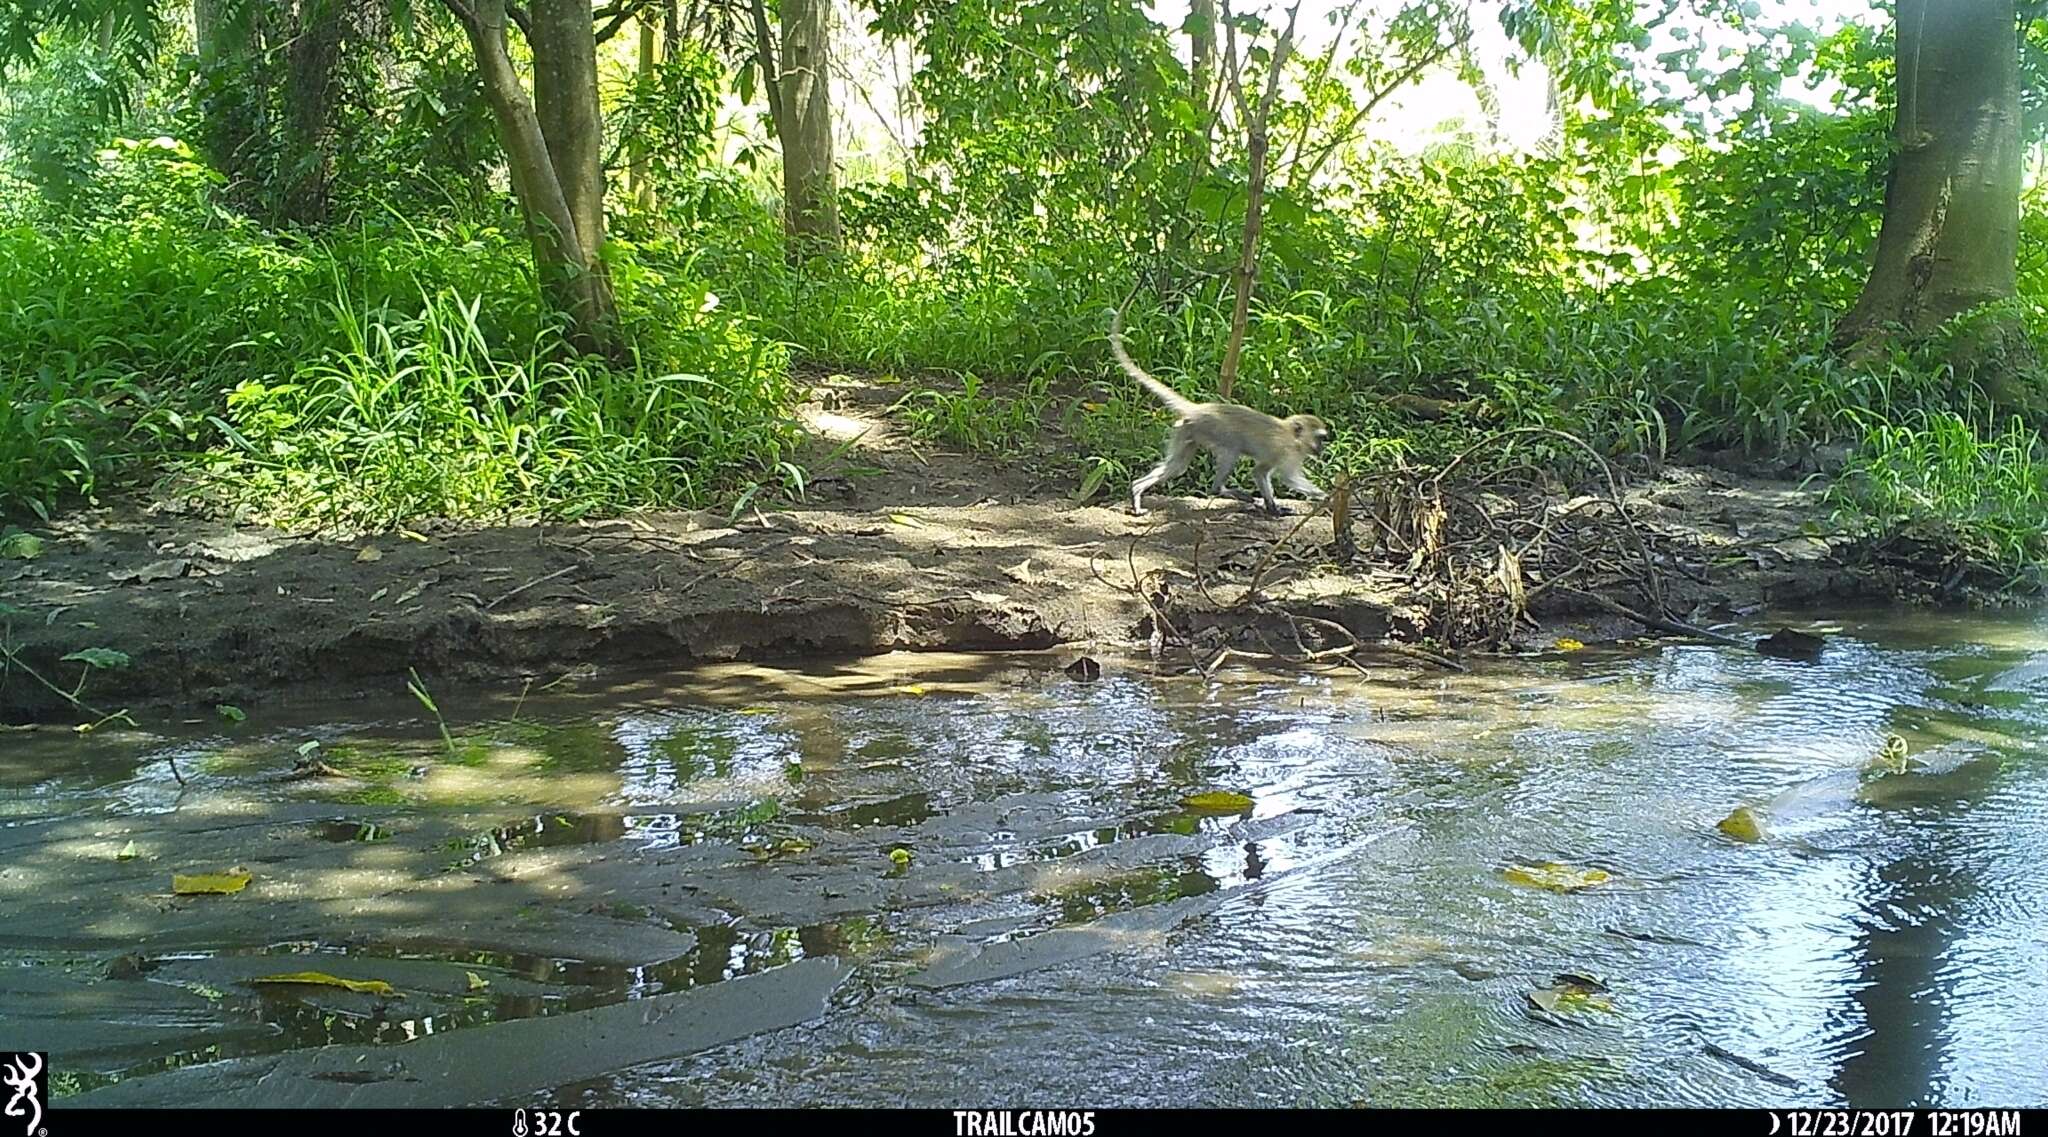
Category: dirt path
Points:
column 919, row 548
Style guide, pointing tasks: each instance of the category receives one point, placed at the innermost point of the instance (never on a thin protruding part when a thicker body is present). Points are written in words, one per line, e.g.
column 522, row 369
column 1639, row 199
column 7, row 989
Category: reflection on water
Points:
column 1886, row 944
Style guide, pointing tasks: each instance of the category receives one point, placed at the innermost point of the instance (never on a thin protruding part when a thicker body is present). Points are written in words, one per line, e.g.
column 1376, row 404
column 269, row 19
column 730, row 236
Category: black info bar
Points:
column 547, row 1121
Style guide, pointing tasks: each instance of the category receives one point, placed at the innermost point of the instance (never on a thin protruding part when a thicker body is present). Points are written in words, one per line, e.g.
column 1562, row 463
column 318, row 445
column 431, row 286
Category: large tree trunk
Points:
column 312, row 89
column 809, row 182
column 564, row 43
column 1951, row 211
column 799, row 82
column 565, row 260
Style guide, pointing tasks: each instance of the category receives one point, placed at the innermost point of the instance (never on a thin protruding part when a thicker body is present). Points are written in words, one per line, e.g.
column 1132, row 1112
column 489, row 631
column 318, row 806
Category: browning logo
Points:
column 25, row 1079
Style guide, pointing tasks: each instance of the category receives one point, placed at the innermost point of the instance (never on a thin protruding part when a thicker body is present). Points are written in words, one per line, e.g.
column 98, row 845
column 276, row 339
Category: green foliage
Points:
column 1946, row 480
column 423, row 416
column 130, row 28
column 360, row 378
column 1662, row 275
column 60, row 116
column 975, row 420
column 668, row 114
column 1456, row 277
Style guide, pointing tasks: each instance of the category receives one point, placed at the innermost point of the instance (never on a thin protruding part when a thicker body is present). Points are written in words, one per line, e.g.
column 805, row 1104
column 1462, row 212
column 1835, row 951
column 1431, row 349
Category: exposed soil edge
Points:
column 924, row 551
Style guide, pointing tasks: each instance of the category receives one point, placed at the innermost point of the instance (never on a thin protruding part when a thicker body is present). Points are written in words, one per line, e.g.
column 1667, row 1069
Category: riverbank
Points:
column 900, row 546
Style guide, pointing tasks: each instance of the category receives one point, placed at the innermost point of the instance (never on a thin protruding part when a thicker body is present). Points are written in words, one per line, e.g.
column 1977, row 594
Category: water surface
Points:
column 1352, row 938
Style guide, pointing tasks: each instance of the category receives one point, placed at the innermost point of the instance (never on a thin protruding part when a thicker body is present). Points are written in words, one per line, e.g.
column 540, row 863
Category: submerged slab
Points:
column 498, row 1061
column 959, row 961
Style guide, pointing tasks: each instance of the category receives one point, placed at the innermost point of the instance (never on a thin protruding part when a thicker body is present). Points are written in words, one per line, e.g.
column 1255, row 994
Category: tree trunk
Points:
column 312, row 60
column 566, row 264
column 638, row 175
column 1201, row 53
column 564, row 41
column 1951, row 212
column 1256, row 121
column 799, row 82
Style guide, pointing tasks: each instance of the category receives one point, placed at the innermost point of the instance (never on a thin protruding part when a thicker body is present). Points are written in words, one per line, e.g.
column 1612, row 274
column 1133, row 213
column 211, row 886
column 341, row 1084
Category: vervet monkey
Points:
column 1228, row 431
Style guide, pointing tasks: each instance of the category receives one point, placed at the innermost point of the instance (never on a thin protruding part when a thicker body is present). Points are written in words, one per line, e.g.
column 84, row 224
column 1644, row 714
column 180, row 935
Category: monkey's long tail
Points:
column 1174, row 400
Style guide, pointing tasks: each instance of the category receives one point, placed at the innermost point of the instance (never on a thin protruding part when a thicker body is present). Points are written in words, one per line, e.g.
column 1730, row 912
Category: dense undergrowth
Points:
column 363, row 376
column 399, row 364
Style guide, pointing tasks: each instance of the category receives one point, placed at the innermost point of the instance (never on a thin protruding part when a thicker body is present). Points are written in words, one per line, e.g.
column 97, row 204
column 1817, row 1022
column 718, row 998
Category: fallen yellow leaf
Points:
column 1221, row 801
column 1743, row 825
column 477, row 982
column 913, row 689
column 906, row 519
column 322, row 979
column 369, row 553
column 1891, row 759
column 1566, row 643
column 1570, row 1001
column 1555, row 877
column 211, row 883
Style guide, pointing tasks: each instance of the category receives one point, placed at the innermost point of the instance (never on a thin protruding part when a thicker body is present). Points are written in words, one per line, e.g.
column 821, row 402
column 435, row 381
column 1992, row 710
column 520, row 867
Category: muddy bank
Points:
column 902, row 548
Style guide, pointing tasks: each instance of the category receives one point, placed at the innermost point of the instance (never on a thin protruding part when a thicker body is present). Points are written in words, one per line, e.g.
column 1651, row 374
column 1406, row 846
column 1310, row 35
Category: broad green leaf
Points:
column 20, row 547
column 99, row 658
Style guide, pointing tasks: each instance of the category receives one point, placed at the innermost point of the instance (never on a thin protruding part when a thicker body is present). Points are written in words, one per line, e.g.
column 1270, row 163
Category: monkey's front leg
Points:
column 1273, row 505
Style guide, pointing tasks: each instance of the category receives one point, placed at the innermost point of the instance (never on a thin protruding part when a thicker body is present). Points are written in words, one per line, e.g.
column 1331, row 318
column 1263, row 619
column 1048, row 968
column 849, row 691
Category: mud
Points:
column 898, row 546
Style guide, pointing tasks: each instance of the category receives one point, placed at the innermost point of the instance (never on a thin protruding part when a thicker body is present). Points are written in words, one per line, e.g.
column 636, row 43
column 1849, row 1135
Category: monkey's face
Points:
column 1311, row 432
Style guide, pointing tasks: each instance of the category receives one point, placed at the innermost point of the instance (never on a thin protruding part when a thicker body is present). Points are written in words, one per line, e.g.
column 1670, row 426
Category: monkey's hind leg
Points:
column 1180, row 451
column 1226, row 462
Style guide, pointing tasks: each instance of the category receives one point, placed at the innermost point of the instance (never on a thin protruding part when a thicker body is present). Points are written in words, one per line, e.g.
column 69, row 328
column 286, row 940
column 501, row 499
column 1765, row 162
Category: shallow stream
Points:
column 946, row 880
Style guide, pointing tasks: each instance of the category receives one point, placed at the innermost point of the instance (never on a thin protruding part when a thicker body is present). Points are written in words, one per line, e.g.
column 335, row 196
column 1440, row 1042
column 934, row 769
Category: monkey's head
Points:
column 1310, row 431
